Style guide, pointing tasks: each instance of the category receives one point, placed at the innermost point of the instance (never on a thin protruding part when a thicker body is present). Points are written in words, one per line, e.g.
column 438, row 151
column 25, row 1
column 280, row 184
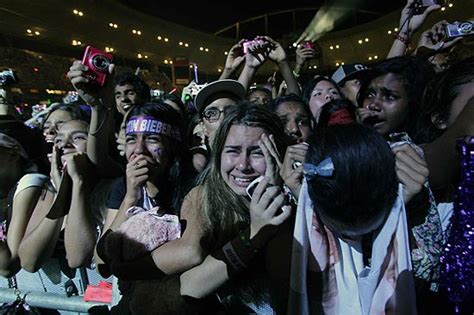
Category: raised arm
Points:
column 102, row 120
column 234, row 59
column 433, row 41
column 278, row 55
column 410, row 22
column 302, row 55
column 256, row 55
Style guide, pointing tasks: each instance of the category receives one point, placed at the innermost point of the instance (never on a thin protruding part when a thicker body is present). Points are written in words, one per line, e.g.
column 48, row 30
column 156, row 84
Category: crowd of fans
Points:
column 323, row 195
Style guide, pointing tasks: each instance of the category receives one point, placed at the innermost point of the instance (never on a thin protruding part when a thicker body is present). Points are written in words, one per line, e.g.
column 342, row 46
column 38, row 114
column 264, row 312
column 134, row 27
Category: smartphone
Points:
column 251, row 187
column 98, row 63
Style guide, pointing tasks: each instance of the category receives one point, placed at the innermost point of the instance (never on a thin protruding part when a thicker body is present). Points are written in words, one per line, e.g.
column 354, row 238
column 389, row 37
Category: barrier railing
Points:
column 54, row 301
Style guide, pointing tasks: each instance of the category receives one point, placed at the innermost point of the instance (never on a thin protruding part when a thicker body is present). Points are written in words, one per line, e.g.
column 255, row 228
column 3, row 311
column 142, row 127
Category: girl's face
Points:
column 54, row 122
column 242, row 159
column 387, row 98
column 295, row 119
column 154, row 147
column 323, row 92
column 72, row 137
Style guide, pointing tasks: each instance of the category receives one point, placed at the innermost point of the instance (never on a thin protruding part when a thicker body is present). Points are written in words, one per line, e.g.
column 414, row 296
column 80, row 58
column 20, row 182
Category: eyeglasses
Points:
column 214, row 114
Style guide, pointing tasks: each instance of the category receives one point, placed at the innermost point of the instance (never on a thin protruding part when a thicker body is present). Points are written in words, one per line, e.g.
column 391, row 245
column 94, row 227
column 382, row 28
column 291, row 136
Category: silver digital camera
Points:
column 459, row 29
column 8, row 77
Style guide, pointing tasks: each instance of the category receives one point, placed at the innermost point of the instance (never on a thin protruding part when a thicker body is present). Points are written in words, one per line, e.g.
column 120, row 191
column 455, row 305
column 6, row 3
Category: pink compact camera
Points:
column 246, row 45
column 98, row 63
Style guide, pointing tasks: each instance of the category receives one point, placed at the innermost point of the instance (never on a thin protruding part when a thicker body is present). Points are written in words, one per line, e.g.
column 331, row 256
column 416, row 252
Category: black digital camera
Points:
column 420, row 6
column 8, row 77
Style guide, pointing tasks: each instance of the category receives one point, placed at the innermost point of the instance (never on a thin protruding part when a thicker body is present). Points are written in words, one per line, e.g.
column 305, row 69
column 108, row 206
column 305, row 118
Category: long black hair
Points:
column 364, row 185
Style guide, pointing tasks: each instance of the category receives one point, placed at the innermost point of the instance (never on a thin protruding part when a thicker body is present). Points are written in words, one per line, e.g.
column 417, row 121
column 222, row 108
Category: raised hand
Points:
column 276, row 54
column 88, row 92
column 434, row 40
column 409, row 22
column 257, row 54
column 303, row 54
column 235, row 57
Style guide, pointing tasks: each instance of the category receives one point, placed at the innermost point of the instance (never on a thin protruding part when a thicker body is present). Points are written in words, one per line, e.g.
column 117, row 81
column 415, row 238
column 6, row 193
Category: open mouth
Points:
column 373, row 121
column 242, row 181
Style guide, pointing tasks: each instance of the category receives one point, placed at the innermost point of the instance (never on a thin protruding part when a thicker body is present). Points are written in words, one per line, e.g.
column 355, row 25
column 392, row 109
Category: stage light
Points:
column 201, row 48
column 366, row 40
column 207, row 49
column 166, row 61
column 166, row 39
column 360, row 41
column 389, row 32
column 29, row 31
column 139, row 56
column 337, row 46
column 180, row 43
column 450, row 5
column 186, row 45
column 331, row 47
column 37, row 33
column 226, row 53
column 159, row 37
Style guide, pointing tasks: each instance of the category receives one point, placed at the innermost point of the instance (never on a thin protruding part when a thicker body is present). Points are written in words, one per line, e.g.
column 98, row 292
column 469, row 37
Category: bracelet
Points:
column 296, row 74
column 403, row 39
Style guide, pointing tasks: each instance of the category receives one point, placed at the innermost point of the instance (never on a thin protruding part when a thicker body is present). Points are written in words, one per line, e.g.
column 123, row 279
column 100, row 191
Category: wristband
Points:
column 403, row 39
column 240, row 251
column 296, row 74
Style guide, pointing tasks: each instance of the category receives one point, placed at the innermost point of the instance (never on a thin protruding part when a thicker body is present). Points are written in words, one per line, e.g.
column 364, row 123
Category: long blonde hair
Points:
column 224, row 212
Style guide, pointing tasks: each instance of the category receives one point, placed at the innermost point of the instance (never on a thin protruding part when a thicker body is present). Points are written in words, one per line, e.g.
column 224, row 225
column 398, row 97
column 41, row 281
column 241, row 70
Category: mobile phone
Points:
column 98, row 63
column 251, row 187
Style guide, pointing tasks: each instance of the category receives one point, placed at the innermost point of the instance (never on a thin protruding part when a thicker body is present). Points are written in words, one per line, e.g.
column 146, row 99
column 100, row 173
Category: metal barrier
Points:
column 55, row 301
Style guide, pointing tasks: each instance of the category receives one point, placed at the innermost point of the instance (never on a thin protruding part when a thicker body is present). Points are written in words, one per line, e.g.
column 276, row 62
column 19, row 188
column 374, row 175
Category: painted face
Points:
column 155, row 147
column 242, row 160
column 295, row 119
column 54, row 122
column 213, row 115
column 72, row 137
column 387, row 98
column 125, row 97
column 259, row 97
column 323, row 92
